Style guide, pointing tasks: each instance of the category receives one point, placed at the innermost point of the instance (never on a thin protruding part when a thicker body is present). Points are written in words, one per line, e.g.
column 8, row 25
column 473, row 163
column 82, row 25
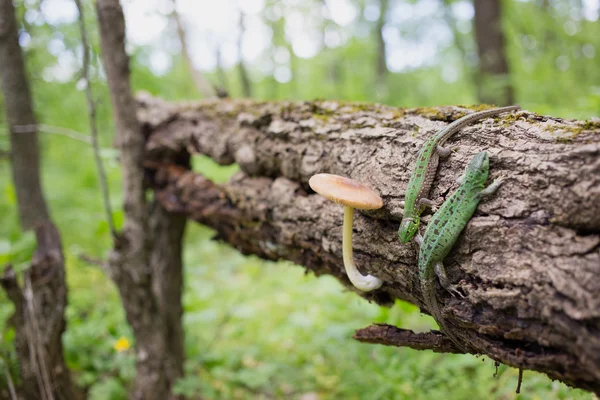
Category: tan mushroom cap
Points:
column 345, row 191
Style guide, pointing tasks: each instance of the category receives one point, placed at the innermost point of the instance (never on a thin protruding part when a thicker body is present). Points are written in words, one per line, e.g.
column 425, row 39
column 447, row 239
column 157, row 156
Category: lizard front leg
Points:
column 492, row 188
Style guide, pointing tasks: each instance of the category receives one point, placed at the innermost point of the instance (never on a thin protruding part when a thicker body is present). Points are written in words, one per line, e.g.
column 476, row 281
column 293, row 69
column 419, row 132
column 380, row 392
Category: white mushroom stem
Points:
column 361, row 282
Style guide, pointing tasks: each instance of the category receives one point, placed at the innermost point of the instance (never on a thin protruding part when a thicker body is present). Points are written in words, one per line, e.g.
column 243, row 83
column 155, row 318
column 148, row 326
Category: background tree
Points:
column 244, row 79
column 145, row 263
column 40, row 305
column 204, row 86
column 381, row 67
column 494, row 84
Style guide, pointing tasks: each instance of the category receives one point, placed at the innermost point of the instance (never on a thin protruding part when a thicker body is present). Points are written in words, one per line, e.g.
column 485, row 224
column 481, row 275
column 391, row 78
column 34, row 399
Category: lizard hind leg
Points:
column 440, row 271
column 419, row 239
column 443, row 151
column 423, row 202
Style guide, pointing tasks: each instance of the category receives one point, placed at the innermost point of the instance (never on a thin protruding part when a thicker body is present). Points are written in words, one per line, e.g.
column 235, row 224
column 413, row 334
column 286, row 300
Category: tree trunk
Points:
column 149, row 248
column 465, row 49
column 245, row 80
column 39, row 307
column 25, row 158
column 493, row 83
column 221, row 76
column 167, row 266
column 527, row 260
column 381, row 66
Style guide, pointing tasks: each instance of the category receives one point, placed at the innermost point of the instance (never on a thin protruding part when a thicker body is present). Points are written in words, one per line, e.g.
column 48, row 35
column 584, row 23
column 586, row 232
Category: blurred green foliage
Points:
column 256, row 329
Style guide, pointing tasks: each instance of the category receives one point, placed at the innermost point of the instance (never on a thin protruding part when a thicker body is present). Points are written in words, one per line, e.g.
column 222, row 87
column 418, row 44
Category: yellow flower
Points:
column 122, row 344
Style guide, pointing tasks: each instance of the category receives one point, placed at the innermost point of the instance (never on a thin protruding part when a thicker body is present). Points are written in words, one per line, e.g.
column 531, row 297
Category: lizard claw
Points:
column 455, row 292
column 501, row 179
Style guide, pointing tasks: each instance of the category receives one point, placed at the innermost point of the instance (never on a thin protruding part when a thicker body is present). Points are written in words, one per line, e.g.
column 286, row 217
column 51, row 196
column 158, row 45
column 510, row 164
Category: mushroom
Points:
column 351, row 194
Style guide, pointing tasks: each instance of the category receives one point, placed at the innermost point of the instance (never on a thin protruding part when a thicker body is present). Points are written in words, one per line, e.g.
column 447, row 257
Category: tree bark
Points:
column 140, row 261
column 25, row 157
column 39, row 320
column 167, row 266
column 39, row 307
column 493, row 83
column 527, row 260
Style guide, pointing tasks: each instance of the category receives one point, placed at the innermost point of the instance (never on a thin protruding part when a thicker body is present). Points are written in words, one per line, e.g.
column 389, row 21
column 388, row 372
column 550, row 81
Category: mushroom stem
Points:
column 361, row 282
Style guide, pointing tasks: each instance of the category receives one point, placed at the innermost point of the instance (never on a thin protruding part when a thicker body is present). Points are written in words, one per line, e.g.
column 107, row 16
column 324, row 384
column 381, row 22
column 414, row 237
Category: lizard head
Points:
column 408, row 229
column 478, row 169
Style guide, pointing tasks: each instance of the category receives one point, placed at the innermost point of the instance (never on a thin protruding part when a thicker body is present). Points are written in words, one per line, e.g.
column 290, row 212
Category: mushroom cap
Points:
column 345, row 191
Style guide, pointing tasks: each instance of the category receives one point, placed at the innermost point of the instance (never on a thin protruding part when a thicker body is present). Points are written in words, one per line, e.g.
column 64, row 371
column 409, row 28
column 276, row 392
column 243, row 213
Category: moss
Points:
column 433, row 114
column 437, row 114
column 564, row 139
column 570, row 132
column 591, row 126
column 322, row 117
column 508, row 119
column 566, row 134
column 398, row 113
column 477, row 107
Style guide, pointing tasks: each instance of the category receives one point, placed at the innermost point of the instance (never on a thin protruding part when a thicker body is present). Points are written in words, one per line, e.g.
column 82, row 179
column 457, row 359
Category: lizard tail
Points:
column 434, row 309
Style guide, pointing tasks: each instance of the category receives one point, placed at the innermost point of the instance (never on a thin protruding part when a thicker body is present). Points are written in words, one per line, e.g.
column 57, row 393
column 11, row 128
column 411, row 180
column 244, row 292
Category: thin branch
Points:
column 53, row 130
column 98, row 262
column 204, row 86
column 92, row 114
column 520, row 381
column 393, row 336
column 9, row 381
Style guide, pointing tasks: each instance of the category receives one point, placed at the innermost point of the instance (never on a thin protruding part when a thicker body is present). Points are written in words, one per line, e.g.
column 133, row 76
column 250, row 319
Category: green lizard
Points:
column 415, row 199
column 443, row 231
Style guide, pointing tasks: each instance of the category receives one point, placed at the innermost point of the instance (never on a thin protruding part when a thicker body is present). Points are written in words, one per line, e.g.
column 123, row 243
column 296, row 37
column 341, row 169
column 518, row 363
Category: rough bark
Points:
column 139, row 258
column 25, row 157
column 493, row 81
column 393, row 336
column 39, row 319
column 527, row 260
column 167, row 266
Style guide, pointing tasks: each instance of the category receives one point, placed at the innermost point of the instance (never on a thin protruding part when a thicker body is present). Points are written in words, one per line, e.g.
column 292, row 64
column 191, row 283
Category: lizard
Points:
column 421, row 179
column 443, row 231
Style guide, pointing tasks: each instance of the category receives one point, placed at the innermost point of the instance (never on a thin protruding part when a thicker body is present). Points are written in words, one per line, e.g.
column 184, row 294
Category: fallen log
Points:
column 528, row 260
